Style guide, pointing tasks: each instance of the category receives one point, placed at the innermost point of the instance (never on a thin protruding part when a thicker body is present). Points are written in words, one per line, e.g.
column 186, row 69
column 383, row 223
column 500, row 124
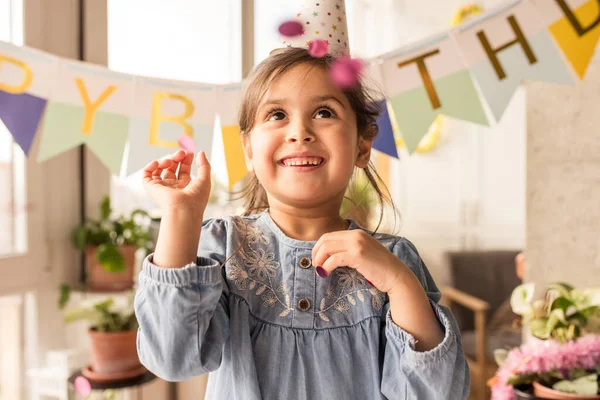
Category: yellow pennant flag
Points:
column 575, row 26
column 234, row 154
column 228, row 100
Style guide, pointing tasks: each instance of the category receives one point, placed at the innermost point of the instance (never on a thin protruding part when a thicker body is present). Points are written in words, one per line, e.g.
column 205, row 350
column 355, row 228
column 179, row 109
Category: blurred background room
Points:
column 488, row 207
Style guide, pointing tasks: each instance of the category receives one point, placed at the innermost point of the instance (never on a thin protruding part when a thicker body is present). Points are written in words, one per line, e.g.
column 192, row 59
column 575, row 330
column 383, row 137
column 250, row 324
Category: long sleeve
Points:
column 440, row 373
column 183, row 312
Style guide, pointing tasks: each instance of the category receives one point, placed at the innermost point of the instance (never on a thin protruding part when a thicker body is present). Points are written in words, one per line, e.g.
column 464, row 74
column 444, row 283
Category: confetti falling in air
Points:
column 291, row 28
column 345, row 72
column 82, row 386
column 318, row 48
column 187, row 143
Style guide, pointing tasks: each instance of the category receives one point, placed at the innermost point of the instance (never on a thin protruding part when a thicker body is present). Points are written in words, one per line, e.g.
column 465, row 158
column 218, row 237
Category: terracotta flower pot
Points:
column 101, row 280
column 114, row 353
column 545, row 392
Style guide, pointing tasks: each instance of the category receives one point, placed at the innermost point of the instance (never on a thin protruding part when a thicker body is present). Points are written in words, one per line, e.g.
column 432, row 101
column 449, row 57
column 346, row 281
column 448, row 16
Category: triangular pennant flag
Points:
column 575, row 26
column 385, row 142
column 26, row 80
column 228, row 101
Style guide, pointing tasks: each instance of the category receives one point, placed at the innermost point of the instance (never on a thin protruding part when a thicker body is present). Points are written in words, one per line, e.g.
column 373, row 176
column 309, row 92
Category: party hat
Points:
column 321, row 20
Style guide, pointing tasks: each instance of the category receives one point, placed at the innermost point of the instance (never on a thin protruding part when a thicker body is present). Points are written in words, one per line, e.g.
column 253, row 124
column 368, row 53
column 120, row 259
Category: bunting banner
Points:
column 575, row 26
column 129, row 120
column 89, row 105
column 428, row 79
column 163, row 111
column 23, row 98
column 505, row 47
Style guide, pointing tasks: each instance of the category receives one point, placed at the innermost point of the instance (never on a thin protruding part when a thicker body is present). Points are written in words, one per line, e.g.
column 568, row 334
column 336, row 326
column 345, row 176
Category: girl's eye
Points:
column 324, row 113
column 276, row 116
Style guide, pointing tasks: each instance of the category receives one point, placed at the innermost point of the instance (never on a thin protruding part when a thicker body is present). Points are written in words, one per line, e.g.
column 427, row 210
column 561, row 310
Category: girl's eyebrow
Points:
column 315, row 99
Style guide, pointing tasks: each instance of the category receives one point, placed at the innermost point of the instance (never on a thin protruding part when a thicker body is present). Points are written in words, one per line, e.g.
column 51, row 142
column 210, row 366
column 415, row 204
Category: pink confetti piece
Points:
column 291, row 28
column 82, row 385
column 318, row 48
column 345, row 72
column 187, row 143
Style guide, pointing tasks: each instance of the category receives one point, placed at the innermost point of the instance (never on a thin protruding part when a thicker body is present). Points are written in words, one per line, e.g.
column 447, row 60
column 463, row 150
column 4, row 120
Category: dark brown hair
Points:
column 361, row 101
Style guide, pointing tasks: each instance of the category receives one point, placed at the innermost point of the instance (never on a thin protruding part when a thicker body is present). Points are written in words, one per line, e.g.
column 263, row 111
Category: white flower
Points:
column 520, row 301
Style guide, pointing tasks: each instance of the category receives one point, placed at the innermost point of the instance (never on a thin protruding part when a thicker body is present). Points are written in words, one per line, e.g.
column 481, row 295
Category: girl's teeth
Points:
column 301, row 162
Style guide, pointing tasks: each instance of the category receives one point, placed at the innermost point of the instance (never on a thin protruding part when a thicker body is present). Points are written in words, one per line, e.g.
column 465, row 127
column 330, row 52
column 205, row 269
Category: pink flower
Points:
column 545, row 356
column 187, row 143
column 318, row 48
column 291, row 28
column 82, row 385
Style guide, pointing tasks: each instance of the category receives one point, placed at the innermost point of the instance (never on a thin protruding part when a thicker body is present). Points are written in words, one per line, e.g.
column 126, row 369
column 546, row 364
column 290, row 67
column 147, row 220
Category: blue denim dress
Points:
column 253, row 312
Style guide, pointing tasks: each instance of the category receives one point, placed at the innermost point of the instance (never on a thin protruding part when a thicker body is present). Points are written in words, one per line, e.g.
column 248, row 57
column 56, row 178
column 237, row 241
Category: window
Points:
column 10, row 347
column 13, row 236
column 181, row 40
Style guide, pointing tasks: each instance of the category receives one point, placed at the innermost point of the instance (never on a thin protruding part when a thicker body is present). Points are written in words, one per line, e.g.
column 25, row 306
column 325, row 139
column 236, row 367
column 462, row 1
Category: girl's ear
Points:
column 247, row 151
column 364, row 152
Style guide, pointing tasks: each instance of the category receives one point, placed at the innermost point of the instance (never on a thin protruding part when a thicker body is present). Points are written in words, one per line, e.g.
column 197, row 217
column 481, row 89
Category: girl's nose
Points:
column 300, row 133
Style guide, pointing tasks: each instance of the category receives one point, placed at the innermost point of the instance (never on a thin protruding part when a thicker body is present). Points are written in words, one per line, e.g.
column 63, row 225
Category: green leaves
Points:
column 111, row 258
column 105, row 209
column 103, row 316
column 110, row 233
column 584, row 386
column 564, row 314
column 79, row 237
column 65, row 295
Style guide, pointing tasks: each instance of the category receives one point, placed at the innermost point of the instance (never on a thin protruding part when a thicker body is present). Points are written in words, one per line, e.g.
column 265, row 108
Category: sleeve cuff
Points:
column 416, row 357
column 203, row 271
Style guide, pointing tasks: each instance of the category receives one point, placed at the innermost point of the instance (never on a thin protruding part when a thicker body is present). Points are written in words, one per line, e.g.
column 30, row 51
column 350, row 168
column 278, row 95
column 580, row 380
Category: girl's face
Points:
column 304, row 144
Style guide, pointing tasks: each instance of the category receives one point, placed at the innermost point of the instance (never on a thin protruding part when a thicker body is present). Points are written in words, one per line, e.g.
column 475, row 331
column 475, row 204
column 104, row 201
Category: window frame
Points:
column 24, row 269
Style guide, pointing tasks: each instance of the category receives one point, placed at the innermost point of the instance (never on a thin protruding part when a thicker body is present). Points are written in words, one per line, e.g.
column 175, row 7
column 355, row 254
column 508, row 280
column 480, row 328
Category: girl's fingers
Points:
column 156, row 174
column 178, row 156
column 148, row 170
column 334, row 261
column 328, row 247
column 186, row 166
column 338, row 235
column 171, row 171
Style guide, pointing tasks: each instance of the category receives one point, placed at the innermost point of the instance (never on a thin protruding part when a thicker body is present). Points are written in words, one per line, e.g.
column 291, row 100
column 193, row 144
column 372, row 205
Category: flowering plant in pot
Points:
column 110, row 244
column 113, row 333
column 562, row 361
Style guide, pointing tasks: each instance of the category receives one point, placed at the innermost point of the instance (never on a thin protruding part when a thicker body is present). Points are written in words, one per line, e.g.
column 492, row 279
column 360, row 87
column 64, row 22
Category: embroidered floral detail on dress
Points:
column 253, row 234
column 254, row 269
column 351, row 284
column 237, row 274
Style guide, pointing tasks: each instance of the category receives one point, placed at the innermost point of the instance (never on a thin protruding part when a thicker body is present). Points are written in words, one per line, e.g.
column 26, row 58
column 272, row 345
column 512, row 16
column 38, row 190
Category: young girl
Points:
column 292, row 301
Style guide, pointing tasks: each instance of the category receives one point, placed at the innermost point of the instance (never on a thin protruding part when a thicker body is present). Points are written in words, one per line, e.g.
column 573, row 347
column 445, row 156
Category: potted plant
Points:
column 110, row 244
column 562, row 361
column 113, row 333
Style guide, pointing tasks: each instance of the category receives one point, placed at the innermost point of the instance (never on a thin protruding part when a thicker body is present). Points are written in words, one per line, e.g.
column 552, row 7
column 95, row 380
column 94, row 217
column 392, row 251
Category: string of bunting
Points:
column 68, row 103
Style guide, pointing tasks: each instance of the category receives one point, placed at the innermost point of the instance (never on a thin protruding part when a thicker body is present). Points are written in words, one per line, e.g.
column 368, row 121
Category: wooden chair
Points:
column 483, row 281
column 480, row 366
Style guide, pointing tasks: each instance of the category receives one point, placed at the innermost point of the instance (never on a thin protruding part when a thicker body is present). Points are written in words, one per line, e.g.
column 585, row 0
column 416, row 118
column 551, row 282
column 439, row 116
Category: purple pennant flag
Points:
column 21, row 114
column 385, row 142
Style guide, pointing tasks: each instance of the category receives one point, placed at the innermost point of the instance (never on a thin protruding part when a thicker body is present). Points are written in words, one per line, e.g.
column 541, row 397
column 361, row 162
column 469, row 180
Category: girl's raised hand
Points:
column 171, row 186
